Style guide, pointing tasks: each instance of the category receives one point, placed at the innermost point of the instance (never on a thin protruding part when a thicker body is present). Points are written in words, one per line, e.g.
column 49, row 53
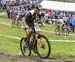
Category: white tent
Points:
column 61, row 6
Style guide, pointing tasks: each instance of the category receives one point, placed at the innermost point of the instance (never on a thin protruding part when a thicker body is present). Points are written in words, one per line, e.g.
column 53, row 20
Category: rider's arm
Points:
column 27, row 17
column 24, row 22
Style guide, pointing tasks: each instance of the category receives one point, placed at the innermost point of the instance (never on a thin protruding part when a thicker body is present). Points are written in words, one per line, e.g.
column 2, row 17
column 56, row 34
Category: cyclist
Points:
column 29, row 20
column 29, row 23
column 60, row 24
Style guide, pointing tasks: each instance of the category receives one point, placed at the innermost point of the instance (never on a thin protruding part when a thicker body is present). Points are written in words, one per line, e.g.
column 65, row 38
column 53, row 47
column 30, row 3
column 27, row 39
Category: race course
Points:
column 19, row 58
column 63, row 47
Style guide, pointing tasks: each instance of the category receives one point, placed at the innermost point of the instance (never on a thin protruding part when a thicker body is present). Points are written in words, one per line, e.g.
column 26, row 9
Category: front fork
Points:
column 39, row 42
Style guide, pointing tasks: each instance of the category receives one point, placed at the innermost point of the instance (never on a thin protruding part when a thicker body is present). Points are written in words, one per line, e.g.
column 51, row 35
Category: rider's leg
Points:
column 28, row 32
column 40, row 42
column 23, row 21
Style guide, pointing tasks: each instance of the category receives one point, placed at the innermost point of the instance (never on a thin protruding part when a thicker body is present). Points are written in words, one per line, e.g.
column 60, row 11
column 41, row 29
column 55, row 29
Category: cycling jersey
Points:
column 30, row 16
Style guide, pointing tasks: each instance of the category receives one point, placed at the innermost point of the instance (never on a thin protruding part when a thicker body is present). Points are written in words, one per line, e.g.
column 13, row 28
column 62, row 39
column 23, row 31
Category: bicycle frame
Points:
column 34, row 37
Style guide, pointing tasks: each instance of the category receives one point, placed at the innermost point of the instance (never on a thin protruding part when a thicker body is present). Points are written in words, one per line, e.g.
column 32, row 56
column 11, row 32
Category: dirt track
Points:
column 18, row 58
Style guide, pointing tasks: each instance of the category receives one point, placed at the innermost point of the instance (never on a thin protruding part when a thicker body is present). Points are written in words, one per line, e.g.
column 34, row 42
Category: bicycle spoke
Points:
column 43, row 47
column 24, row 48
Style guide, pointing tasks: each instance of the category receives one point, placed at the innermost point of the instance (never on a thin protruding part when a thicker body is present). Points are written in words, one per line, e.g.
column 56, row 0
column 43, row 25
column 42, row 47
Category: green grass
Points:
column 3, row 14
column 57, row 37
column 12, row 31
column 63, row 49
column 9, row 45
column 5, row 20
column 49, row 27
column 46, row 27
column 58, row 49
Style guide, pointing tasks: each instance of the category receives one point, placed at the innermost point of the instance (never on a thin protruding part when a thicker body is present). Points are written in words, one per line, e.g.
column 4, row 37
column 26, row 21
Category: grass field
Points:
column 11, row 45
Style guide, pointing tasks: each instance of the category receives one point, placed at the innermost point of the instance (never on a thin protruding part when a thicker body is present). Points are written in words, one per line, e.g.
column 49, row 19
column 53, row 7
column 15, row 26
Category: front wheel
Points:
column 43, row 47
column 24, row 47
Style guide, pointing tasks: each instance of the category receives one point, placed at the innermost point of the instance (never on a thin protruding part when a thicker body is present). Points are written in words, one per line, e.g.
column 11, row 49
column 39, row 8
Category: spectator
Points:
column 68, row 23
column 73, row 22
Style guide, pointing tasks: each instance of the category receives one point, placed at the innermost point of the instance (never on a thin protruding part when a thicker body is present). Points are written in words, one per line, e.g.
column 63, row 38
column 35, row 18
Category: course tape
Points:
column 18, row 38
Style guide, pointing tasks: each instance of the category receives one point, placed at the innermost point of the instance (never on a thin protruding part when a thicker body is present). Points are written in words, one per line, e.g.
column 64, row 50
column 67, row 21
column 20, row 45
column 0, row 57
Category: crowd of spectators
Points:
column 18, row 2
column 61, row 16
column 47, row 16
column 14, row 2
column 6, row 3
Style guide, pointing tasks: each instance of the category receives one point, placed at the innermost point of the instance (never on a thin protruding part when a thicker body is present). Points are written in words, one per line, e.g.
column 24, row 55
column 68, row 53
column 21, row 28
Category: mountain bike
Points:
column 61, row 30
column 37, row 43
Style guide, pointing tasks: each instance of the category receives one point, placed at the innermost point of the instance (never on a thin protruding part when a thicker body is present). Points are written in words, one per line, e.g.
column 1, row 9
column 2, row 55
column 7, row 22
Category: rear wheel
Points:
column 19, row 24
column 57, row 32
column 24, row 47
column 65, row 32
column 43, row 47
column 13, row 23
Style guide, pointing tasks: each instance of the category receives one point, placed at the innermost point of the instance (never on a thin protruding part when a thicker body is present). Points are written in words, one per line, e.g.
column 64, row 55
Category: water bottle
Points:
column 31, row 40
